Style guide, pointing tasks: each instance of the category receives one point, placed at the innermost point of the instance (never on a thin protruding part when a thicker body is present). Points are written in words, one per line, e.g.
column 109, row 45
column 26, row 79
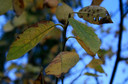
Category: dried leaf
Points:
column 96, row 2
column 96, row 64
column 29, row 39
column 62, row 13
column 91, row 74
column 62, row 63
column 86, row 37
column 95, row 15
column 5, row 5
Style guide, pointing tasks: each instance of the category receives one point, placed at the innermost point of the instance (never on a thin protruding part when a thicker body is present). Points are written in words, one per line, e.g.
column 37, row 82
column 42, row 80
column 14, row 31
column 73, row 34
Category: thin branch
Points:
column 125, row 14
column 122, row 59
column 119, row 43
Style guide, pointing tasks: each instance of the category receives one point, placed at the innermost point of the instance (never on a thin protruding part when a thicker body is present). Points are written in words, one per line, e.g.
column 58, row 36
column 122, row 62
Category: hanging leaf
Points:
column 18, row 6
column 62, row 63
column 101, row 53
column 5, row 5
column 95, row 15
column 29, row 39
column 62, row 13
column 86, row 37
column 96, row 64
column 96, row 2
column 91, row 74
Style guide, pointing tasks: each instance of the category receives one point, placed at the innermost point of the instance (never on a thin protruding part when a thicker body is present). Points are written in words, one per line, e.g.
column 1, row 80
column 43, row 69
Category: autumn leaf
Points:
column 62, row 13
column 62, row 63
column 86, row 37
column 5, row 5
column 96, row 64
column 95, row 15
column 96, row 2
column 91, row 74
column 29, row 39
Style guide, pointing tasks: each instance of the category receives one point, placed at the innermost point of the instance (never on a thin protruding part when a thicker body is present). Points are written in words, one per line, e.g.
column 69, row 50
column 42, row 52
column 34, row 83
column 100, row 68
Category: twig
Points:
column 119, row 43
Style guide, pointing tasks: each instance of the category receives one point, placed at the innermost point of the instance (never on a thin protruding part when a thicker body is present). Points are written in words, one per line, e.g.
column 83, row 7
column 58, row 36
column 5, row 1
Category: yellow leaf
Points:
column 29, row 39
column 96, row 2
column 62, row 63
column 95, row 15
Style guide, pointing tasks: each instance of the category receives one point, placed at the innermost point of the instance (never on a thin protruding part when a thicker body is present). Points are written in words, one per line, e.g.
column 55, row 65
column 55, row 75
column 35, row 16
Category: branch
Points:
column 119, row 42
column 122, row 59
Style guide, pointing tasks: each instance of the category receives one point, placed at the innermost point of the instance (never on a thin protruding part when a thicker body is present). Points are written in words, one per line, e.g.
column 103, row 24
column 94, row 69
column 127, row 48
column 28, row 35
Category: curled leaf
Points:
column 95, row 15
column 62, row 63
column 86, row 37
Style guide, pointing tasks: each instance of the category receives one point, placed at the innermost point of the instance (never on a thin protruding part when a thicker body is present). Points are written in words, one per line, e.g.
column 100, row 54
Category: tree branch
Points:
column 119, row 42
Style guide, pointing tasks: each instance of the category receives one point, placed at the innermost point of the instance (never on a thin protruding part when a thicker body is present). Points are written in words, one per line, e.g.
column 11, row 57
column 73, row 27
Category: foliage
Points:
column 31, row 20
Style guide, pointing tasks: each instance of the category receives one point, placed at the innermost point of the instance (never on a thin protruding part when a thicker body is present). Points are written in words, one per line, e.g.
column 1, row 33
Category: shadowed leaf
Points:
column 95, row 15
column 29, row 39
column 96, row 64
column 91, row 74
column 86, row 37
column 62, row 63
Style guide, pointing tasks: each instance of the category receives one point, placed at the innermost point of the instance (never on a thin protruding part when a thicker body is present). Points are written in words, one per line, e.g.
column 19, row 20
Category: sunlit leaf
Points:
column 86, row 37
column 91, row 74
column 95, row 15
column 96, row 64
column 5, row 5
column 62, row 13
column 62, row 63
column 29, row 39
column 96, row 2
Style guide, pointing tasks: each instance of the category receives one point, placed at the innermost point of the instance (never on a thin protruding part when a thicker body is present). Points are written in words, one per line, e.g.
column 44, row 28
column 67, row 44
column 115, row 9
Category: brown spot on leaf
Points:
column 87, row 15
column 105, row 20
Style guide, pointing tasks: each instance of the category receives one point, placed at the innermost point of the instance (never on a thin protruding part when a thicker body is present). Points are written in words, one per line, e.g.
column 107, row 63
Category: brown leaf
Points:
column 96, row 2
column 95, row 15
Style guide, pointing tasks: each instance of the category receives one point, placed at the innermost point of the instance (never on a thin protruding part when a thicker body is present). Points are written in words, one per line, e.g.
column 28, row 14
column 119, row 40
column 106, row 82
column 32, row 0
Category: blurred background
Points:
column 25, row 69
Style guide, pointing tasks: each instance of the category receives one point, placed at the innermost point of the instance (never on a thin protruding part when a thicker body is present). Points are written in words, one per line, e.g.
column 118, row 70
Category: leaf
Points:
column 91, row 74
column 62, row 13
column 62, row 63
column 101, row 53
column 96, row 2
column 86, row 37
column 29, row 39
column 95, row 15
column 18, row 6
column 5, row 5
column 96, row 64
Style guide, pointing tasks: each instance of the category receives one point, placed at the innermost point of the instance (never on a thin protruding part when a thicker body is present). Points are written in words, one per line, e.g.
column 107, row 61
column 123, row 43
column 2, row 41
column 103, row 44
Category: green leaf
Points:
column 96, row 64
column 29, row 39
column 96, row 2
column 62, row 13
column 91, row 74
column 95, row 15
column 101, row 53
column 86, row 37
column 5, row 5
column 62, row 63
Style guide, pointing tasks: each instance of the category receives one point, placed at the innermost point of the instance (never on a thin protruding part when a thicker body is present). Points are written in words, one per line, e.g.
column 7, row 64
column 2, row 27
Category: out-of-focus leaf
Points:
column 62, row 63
column 18, row 6
column 96, row 64
column 101, row 53
column 95, row 15
column 5, row 5
column 29, row 39
column 31, row 68
column 51, row 3
column 96, row 2
column 62, row 13
column 91, row 74
column 86, row 37
column 18, row 75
